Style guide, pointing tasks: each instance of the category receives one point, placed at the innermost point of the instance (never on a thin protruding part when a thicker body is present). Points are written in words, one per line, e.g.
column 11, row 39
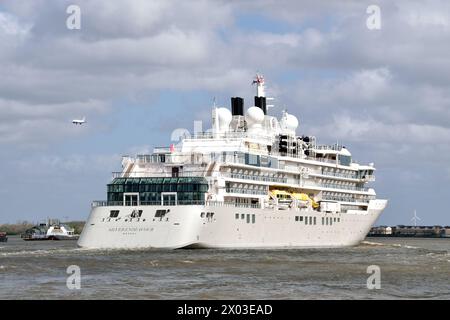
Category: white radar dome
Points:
column 289, row 122
column 254, row 116
column 224, row 116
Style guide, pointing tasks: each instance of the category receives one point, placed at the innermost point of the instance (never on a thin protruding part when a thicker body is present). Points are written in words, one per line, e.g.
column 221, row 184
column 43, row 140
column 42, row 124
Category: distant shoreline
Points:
column 21, row 227
column 410, row 231
column 406, row 236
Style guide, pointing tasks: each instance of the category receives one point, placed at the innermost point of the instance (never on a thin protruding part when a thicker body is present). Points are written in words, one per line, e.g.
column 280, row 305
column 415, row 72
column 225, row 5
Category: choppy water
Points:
column 410, row 268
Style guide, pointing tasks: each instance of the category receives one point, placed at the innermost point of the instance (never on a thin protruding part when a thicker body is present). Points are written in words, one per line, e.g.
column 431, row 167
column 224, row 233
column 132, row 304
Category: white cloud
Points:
column 40, row 124
column 9, row 25
column 362, row 85
column 72, row 164
column 372, row 131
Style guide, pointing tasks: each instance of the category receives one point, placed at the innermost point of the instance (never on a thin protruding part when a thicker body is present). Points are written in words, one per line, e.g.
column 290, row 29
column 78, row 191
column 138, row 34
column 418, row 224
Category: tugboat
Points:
column 3, row 237
column 52, row 230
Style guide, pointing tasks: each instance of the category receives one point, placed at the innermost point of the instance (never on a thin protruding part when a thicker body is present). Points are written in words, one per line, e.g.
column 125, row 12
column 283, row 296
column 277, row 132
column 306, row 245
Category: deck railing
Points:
column 338, row 186
column 254, row 177
column 246, row 191
column 104, row 203
column 344, row 199
column 340, row 175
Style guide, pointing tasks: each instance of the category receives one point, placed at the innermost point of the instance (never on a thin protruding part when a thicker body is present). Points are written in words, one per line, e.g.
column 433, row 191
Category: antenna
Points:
column 415, row 218
column 259, row 81
column 270, row 105
column 260, row 98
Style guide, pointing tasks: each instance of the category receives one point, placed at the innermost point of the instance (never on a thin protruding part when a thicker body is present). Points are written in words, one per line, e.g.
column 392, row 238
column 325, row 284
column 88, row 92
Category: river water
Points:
column 409, row 269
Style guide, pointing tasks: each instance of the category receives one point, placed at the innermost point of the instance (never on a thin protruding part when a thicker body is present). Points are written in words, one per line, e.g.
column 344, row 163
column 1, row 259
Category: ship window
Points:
column 301, row 218
column 114, row 213
column 310, row 220
column 306, row 220
column 237, row 215
column 189, row 189
column 242, row 216
column 331, row 221
column 248, row 218
column 253, row 218
column 296, row 218
column 323, row 220
column 315, row 221
column 334, row 219
column 345, row 160
column 202, row 215
column 339, row 219
column 252, row 159
column 326, row 221
column 135, row 214
column 159, row 213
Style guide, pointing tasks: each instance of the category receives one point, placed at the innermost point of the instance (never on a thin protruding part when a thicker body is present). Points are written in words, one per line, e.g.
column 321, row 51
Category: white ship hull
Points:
column 184, row 227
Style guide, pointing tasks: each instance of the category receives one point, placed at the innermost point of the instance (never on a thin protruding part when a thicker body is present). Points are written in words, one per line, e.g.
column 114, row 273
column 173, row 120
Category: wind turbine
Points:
column 415, row 218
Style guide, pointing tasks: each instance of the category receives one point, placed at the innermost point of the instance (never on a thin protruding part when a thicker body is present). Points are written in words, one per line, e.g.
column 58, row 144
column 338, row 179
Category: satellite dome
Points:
column 289, row 122
column 254, row 116
column 224, row 117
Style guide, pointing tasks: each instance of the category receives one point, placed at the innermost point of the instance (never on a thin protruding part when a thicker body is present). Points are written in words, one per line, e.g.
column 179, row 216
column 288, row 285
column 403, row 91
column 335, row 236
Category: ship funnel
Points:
column 237, row 106
column 260, row 102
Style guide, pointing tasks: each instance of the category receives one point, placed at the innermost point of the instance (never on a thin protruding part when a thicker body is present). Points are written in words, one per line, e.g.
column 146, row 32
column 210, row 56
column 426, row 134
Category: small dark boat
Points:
column 35, row 233
column 3, row 237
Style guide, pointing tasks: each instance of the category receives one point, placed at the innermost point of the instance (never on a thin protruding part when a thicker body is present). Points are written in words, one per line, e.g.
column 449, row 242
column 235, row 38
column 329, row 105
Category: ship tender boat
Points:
column 52, row 230
column 249, row 182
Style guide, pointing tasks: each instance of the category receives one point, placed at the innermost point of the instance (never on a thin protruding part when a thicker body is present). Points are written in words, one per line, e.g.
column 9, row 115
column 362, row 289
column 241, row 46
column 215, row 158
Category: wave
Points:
column 397, row 245
column 187, row 261
column 370, row 243
column 439, row 255
column 41, row 252
column 88, row 251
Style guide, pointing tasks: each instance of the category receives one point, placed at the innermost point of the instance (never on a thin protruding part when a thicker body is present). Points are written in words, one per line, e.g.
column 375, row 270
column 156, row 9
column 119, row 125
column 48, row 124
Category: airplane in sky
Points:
column 78, row 121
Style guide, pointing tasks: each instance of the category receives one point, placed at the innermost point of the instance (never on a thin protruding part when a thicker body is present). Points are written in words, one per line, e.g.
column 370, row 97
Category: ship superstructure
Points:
column 249, row 182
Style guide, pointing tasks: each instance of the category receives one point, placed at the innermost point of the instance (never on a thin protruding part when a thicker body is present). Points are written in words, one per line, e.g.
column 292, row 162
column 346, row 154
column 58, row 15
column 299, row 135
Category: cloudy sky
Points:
column 138, row 69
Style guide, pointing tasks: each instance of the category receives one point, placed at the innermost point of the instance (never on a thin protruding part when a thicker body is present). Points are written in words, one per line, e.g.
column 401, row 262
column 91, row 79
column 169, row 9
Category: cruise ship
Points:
column 248, row 182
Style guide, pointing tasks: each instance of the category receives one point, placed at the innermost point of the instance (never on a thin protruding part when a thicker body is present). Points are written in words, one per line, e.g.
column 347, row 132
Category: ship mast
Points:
column 259, row 80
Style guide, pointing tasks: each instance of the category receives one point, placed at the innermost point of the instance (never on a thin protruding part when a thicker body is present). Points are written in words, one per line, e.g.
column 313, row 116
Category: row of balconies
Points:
column 292, row 181
column 246, row 191
column 346, row 198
